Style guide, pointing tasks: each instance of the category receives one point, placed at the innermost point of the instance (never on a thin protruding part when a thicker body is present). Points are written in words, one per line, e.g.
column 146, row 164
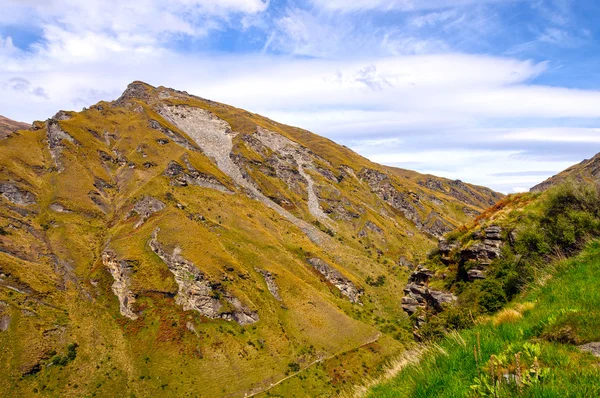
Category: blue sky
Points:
column 502, row 93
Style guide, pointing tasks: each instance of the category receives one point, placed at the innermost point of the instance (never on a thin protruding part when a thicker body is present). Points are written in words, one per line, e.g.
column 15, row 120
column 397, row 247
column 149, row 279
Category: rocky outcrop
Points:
column 335, row 205
column 197, row 293
column 4, row 317
column 16, row 195
column 145, row 208
column 487, row 248
column 181, row 177
column 55, row 136
column 436, row 226
column 333, row 276
column 121, row 273
column 370, row 226
column 270, row 281
column 302, row 158
column 472, row 195
column 408, row 203
column 418, row 295
column 175, row 137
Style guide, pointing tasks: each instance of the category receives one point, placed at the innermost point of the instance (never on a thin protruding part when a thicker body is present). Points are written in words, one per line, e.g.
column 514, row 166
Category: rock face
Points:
column 121, row 273
column 270, row 281
column 488, row 248
column 480, row 254
column 418, row 295
column 145, row 208
column 334, row 277
column 56, row 135
column 199, row 294
column 16, row 195
column 408, row 203
column 181, row 177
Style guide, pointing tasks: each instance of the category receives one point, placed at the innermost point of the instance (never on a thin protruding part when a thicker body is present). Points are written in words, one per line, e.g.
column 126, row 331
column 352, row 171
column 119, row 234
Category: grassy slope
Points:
column 566, row 304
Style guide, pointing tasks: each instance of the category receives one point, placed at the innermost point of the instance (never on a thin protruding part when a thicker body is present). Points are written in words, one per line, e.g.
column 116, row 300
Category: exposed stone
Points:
column 371, row 226
column 55, row 136
column 404, row 262
column 215, row 138
column 62, row 115
column 175, row 137
column 181, row 177
column 270, row 281
column 16, row 195
column 197, row 293
column 436, row 226
column 57, row 207
column 593, row 348
column 121, row 273
column 101, row 184
column 417, row 294
column 134, row 91
column 145, row 208
column 333, row 276
column 96, row 198
column 408, row 203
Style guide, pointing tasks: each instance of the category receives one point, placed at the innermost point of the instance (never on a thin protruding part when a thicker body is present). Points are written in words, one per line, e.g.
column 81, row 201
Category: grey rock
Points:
column 593, row 348
column 270, row 281
column 417, row 294
column 196, row 293
column 55, row 136
column 333, row 276
column 19, row 196
column 121, row 273
column 145, row 208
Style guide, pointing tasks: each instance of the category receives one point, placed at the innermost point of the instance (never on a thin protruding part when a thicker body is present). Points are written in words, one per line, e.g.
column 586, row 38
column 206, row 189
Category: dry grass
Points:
column 507, row 315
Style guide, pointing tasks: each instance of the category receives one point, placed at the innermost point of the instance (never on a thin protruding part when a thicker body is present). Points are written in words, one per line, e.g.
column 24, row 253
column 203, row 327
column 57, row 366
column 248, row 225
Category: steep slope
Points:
column 507, row 305
column 586, row 171
column 8, row 126
column 167, row 244
column 546, row 344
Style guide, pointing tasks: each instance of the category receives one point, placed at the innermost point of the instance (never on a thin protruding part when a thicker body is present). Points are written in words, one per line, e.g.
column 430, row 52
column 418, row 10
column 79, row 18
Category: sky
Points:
column 501, row 93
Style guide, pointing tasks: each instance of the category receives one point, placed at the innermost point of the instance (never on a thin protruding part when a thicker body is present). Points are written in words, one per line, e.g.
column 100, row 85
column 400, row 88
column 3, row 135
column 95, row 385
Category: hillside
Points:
column 586, row 171
column 545, row 344
column 8, row 126
column 506, row 305
column 168, row 244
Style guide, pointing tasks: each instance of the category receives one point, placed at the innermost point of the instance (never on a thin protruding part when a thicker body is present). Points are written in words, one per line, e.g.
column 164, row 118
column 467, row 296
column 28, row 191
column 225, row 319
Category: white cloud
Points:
column 402, row 5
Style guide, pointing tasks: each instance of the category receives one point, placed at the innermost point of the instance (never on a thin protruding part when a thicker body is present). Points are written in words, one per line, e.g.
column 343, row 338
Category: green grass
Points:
column 565, row 312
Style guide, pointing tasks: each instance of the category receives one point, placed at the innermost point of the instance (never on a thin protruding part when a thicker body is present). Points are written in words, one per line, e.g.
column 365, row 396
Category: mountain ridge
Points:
column 587, row 170
column 8, row 126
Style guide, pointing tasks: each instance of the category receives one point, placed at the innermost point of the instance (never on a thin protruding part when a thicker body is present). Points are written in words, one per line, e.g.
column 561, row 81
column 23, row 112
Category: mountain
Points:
column 8, row 126
column 167, row 244
column 586, row 171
